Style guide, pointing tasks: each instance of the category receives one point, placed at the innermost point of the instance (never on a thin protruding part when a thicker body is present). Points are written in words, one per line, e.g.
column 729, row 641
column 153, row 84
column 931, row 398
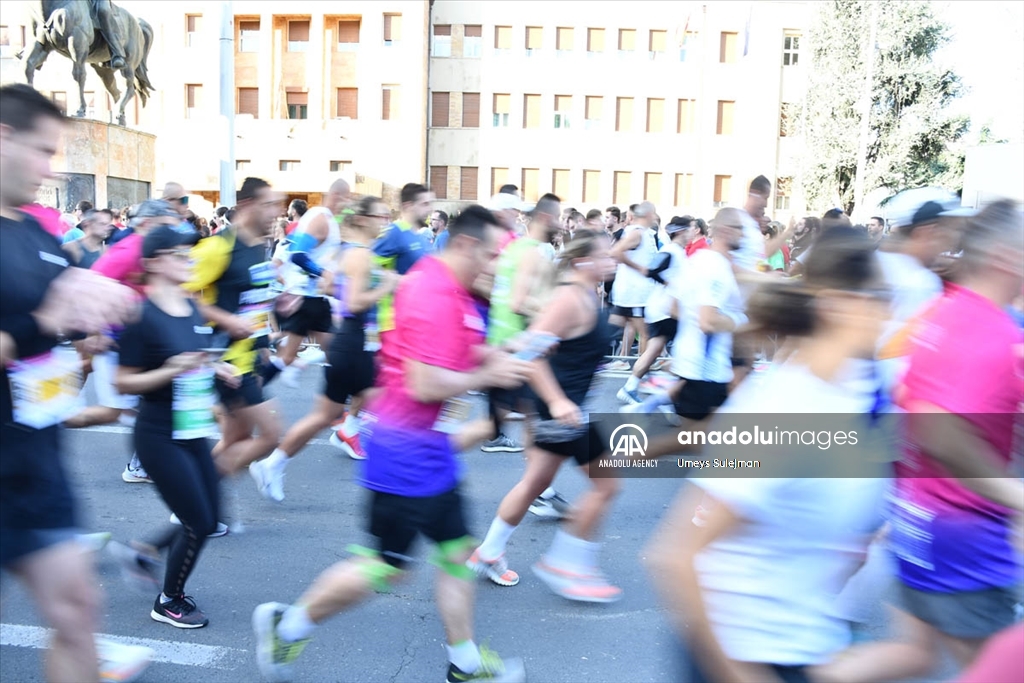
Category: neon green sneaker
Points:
column 493, row 669
column 274, row 655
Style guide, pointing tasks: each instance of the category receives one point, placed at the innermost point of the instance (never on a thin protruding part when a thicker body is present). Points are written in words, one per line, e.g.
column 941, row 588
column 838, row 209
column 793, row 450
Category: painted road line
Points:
column 166, row 651
column 119, row 429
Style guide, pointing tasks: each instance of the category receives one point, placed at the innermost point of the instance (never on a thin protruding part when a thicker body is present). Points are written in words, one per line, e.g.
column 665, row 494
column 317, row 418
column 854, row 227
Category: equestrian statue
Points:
column 97, row 33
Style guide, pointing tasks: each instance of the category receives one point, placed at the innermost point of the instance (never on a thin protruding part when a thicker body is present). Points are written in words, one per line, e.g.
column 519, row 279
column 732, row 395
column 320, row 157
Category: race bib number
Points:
column 911, row 535
column 46, row 389
column 262, row 274
column 192, row 406
column 372, row 337
column 258, row 317
column 454, row 412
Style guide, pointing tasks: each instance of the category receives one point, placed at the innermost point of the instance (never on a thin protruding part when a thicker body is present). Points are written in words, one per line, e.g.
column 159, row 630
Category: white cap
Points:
column 505, row 202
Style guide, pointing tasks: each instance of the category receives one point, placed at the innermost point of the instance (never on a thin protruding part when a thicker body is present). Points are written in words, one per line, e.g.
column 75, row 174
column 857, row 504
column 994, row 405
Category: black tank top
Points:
column 88, row 257
column 575, row 362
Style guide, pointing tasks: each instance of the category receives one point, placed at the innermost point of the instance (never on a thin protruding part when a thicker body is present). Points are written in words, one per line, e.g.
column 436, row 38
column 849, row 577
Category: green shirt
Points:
column 503, row 322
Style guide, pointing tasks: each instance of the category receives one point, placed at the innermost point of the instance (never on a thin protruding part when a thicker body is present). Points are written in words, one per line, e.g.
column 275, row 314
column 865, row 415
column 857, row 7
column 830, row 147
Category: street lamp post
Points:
column 227, row 102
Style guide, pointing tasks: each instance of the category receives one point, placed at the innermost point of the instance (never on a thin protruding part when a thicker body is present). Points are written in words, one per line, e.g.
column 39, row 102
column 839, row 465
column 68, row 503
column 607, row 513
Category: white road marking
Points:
column 119, row 429
column 166, row 651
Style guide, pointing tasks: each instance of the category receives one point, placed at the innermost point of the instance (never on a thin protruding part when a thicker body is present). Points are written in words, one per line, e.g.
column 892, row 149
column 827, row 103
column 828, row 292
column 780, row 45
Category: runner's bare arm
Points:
column 358, row 296
column 433, row 384
column 522, row 282
column 136, row 381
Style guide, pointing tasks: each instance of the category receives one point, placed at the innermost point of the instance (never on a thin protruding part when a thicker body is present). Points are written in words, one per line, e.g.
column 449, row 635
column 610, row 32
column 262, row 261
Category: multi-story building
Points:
column 680, row 103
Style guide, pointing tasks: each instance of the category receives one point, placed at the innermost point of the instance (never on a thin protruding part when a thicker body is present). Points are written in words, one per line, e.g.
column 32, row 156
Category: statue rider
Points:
column 109, row 31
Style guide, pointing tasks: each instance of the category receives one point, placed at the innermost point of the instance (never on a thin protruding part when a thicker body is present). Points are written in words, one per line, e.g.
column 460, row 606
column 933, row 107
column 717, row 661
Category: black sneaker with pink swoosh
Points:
column 180, row 612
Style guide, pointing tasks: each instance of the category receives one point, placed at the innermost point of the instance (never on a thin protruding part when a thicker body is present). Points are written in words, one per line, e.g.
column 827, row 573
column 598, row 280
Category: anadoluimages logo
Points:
column 628, row 441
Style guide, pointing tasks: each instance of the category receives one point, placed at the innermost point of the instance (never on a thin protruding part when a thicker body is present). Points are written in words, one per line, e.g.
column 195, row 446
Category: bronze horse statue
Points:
column 70, row 27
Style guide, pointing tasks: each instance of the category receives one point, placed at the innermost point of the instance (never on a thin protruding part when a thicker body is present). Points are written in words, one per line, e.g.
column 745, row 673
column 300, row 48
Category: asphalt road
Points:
column 396, row 637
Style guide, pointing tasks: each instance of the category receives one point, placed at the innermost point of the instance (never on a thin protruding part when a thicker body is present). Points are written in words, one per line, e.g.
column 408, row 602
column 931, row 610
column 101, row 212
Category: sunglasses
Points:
column 181, row 200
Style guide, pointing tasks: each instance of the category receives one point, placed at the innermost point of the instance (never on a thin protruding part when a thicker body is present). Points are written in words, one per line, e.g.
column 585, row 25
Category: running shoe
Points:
column 497, row 570
column 135, row 475
column 628, row 397
column 274, row 655
column 221, row 530
column 493, row 669
column 661, row 364
column 180, row 612
column 349, row 444
column 290, row 375
column 501, row 444
column 312, row 355
column 552, row 507
column 93, row 543
column 655, row 383
column 474, row 392
column 618, row 366
column 581, row 587
column 265, row 481
column 142, row 571
column 515, row 417
column 120, row 663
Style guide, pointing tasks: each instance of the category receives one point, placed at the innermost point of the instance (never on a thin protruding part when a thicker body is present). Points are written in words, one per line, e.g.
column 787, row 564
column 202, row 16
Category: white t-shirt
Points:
column 660, row 300
column 631, row 289
column 324, row 255
column 709, row 281
column 751, row 251
column 771, row 585
column 914, row 288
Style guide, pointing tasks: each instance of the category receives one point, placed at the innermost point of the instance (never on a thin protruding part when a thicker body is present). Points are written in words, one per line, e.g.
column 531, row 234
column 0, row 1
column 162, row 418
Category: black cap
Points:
column 164, row 237
column 929, row 212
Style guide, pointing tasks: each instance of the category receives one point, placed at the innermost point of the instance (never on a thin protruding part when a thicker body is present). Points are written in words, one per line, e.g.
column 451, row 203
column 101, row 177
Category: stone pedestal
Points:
column 110, row 166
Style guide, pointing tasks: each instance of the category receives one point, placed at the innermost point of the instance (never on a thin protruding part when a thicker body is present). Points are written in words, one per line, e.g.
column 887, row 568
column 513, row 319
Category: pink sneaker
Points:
column 497, row 570
column 581, row 587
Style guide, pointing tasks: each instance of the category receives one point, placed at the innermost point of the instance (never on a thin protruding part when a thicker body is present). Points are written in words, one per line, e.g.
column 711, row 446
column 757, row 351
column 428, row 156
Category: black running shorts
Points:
column 249, row 392
column 625, row 312
column 666, row 328
column 584, row 449
column 698, row 399
column 351, row 370
column 314, row 315
column 397, row 520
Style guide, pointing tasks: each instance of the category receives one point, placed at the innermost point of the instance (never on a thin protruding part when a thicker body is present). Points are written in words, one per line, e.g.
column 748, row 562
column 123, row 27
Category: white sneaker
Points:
column 290, row 375
column 221, row 530
column 135, row 475
column 269, row 479
column 122, row 663
column 313, row 356
column 515, row 417
column 618, row 366
column 93, row 543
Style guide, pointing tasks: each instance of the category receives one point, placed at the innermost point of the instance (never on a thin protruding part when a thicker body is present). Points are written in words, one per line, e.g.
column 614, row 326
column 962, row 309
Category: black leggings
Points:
column 187, row 480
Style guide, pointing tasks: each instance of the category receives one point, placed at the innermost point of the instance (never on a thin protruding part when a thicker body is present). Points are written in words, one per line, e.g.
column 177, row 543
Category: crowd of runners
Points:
column 183, row 325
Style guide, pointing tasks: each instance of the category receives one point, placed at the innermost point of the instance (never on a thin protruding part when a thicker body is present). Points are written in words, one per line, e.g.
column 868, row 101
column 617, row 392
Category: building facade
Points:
column 679, row 103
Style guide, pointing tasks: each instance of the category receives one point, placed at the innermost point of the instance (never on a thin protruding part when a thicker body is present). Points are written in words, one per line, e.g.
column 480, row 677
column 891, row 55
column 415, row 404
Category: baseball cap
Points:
column 164, row 237
column 505, row 202
column 678, row 224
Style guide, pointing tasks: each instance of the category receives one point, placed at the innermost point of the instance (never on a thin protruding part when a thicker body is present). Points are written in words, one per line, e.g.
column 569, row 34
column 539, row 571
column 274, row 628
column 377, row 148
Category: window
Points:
column 783, row 189
column 655, row 115
column 249, row 102
column 534, row 39
column 193, row 25
column 652, row 188
column 725, row 116
column 722, row 190
column 563, row 106
column 298, row 35
column 470, row 110
column 501, row 107
column 249, row 36
column 242, row 164
column 472, row 43
column 531, row 184
column 656, row 43
column 787, row 120
column 288, row 165
column 503, row 38
column 684, row 190
column 468, row 178
column 348, row 35
column 727, row 48
column 298, row 105
column 499, row 177
column 439, row 102
column 348, row 103
column 60, row 99
column 621, row 190
column 560, row 182
column 688, row 50
column 686, row 122
column 595, row 40
column 531, row 111
column 5, row 41
column 563, row 39
column 439, row 181
column 340, row 166
column 791, row 49
column 90, row 103
column 627, row 39
column 592, row 116
column 623, row 114
column 441, row 45
column 392, row 28
column 193, row 100
column 591, row 187
column 389, row 102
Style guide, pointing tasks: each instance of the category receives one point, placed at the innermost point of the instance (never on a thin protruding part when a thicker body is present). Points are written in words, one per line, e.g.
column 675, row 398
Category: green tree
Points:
column 912, row 137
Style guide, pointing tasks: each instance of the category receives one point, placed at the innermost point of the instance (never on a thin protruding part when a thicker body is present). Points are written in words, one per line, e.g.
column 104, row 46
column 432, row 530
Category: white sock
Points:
column 164, row 599
column 549, row 492
column 654, row 401
column 465, row 655
column 633, row 383
column 350, row 427
column 494, row 543
column 591, row 552
column 567, row 550
column 135, row 464
column 295, row 624
column 278, row 459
